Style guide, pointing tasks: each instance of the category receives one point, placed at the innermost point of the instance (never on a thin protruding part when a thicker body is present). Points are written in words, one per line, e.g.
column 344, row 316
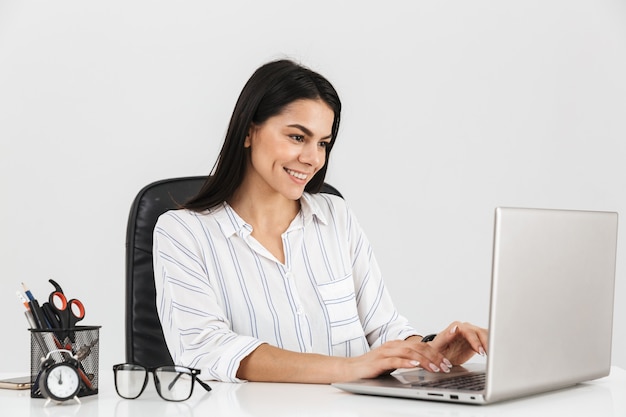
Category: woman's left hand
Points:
column 460, row 341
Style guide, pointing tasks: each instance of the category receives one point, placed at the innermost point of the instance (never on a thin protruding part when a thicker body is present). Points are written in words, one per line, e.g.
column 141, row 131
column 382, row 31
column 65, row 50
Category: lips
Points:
column 298, row 175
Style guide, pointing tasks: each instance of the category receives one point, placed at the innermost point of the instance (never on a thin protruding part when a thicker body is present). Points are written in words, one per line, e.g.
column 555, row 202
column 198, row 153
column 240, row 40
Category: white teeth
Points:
column 296, row 174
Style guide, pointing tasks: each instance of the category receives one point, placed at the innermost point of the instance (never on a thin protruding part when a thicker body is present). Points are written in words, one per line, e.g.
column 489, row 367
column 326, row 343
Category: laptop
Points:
column 550, row 316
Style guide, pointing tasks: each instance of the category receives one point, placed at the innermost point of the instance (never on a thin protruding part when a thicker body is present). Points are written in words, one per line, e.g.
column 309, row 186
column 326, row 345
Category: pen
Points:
column 33, row 324
column 36, row 309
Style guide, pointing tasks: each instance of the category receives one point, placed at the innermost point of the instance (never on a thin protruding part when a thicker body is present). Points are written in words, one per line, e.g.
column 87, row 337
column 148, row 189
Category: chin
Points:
column 293, row 193
column 293, row 196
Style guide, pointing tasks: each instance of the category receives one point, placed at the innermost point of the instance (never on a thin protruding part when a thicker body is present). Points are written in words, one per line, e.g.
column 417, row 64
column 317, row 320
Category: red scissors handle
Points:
column 77, row 309
column 69, row 312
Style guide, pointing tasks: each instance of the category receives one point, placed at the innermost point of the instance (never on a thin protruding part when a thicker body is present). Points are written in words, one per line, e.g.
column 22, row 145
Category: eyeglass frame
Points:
column 152, row 370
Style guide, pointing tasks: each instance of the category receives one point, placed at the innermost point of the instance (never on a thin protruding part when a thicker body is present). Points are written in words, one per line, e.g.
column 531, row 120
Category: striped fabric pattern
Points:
column 220, row 293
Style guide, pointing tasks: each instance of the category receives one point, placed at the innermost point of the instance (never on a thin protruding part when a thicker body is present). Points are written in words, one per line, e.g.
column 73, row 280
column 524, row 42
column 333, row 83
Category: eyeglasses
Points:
column 173, row 383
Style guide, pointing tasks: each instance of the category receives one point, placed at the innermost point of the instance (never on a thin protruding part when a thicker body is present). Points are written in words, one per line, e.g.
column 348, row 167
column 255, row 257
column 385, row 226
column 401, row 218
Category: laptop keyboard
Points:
column 472, row 382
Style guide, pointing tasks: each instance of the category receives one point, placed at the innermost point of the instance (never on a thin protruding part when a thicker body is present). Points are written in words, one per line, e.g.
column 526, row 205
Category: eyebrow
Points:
column 306, row 131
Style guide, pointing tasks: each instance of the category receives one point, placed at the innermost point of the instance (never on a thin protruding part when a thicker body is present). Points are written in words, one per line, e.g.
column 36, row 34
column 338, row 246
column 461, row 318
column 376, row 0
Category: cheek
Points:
column 323, row 158
column 267, row 156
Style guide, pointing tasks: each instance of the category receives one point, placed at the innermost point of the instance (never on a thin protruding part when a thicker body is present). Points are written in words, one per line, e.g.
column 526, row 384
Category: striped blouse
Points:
column 220, row 293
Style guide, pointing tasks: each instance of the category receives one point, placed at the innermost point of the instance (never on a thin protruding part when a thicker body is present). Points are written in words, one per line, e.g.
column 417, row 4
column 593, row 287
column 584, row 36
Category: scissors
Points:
column 65, row 313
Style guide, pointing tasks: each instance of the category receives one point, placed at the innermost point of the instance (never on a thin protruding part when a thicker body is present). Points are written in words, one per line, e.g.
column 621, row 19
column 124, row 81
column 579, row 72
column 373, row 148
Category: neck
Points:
column 264, row 210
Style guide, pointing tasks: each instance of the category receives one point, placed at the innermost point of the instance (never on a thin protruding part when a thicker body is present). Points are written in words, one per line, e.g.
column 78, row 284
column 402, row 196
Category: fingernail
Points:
column 481, row 351
column 445, row 368
column 454, row 329
column 415, row 363
column 434, row 367
column 448, row 363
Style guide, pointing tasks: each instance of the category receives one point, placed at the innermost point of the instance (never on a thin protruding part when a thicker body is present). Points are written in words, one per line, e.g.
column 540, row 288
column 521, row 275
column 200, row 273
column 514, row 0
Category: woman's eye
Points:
column 297, row 138
column 324, row 144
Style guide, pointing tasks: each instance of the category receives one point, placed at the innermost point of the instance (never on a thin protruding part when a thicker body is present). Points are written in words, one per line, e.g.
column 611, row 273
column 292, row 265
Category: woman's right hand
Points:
column 409, row 353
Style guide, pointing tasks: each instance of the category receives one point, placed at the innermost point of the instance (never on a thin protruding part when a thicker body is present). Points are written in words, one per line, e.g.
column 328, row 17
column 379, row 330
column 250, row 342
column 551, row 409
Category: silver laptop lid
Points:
column 551, row 314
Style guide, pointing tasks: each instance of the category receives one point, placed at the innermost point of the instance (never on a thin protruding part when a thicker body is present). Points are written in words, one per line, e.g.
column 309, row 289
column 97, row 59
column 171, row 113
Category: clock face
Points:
column 62, row 382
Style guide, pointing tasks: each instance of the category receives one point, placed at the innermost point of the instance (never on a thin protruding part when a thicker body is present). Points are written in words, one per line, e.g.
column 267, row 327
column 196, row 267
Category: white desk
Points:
column 600, row 398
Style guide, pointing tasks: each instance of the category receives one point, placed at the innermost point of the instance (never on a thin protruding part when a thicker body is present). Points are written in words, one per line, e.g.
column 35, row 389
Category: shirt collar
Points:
column 231, row 223
column 310, row 208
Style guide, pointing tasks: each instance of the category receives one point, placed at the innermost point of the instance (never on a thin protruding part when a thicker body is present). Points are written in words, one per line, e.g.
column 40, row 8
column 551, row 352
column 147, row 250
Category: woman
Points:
column 259, row 277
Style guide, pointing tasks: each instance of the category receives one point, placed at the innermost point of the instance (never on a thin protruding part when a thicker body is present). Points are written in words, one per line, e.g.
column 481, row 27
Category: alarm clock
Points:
column 59, row 381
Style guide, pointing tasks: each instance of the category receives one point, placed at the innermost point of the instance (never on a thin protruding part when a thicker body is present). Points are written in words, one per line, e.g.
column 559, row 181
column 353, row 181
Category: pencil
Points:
column 36, row 309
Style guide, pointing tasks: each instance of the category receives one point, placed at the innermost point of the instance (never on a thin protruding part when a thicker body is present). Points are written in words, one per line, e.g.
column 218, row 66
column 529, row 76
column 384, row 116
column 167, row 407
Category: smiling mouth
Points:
column 298, row 175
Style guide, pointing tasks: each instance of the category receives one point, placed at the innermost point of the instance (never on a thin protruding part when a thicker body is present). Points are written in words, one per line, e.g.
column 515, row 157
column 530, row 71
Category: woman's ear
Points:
column 248, row 141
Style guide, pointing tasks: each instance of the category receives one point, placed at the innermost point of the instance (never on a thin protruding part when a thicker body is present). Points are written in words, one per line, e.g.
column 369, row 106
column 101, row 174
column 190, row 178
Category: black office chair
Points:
column 145, row 343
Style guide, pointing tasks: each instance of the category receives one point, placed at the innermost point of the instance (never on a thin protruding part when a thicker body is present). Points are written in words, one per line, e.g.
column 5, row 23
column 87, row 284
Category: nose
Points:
column 312, row 154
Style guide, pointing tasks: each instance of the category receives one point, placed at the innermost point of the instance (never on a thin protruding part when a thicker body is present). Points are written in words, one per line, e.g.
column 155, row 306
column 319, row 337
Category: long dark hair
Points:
column 268, row 91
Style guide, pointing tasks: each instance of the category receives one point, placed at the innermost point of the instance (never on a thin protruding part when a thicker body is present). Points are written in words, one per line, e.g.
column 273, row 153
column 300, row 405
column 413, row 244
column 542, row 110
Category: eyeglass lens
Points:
column 173, row 383
column 130, row 380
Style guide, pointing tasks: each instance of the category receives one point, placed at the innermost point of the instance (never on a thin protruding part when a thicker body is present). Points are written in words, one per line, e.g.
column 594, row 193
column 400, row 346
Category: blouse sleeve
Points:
column 196, row 329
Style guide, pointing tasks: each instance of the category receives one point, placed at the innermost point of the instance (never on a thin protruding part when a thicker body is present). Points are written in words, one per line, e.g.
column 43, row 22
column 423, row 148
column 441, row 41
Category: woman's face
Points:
column 288, row 149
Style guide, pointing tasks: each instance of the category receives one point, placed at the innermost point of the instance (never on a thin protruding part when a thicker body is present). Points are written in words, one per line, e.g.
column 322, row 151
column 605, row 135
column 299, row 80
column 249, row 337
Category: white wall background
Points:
column 451, row 108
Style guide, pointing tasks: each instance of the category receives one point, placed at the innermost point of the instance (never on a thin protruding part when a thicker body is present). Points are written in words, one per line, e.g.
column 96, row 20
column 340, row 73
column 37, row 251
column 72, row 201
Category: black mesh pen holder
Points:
column 79, row 344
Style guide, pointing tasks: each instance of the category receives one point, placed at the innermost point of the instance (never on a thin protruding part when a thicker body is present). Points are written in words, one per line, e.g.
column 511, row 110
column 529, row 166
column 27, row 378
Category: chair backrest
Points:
column 145, row 343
